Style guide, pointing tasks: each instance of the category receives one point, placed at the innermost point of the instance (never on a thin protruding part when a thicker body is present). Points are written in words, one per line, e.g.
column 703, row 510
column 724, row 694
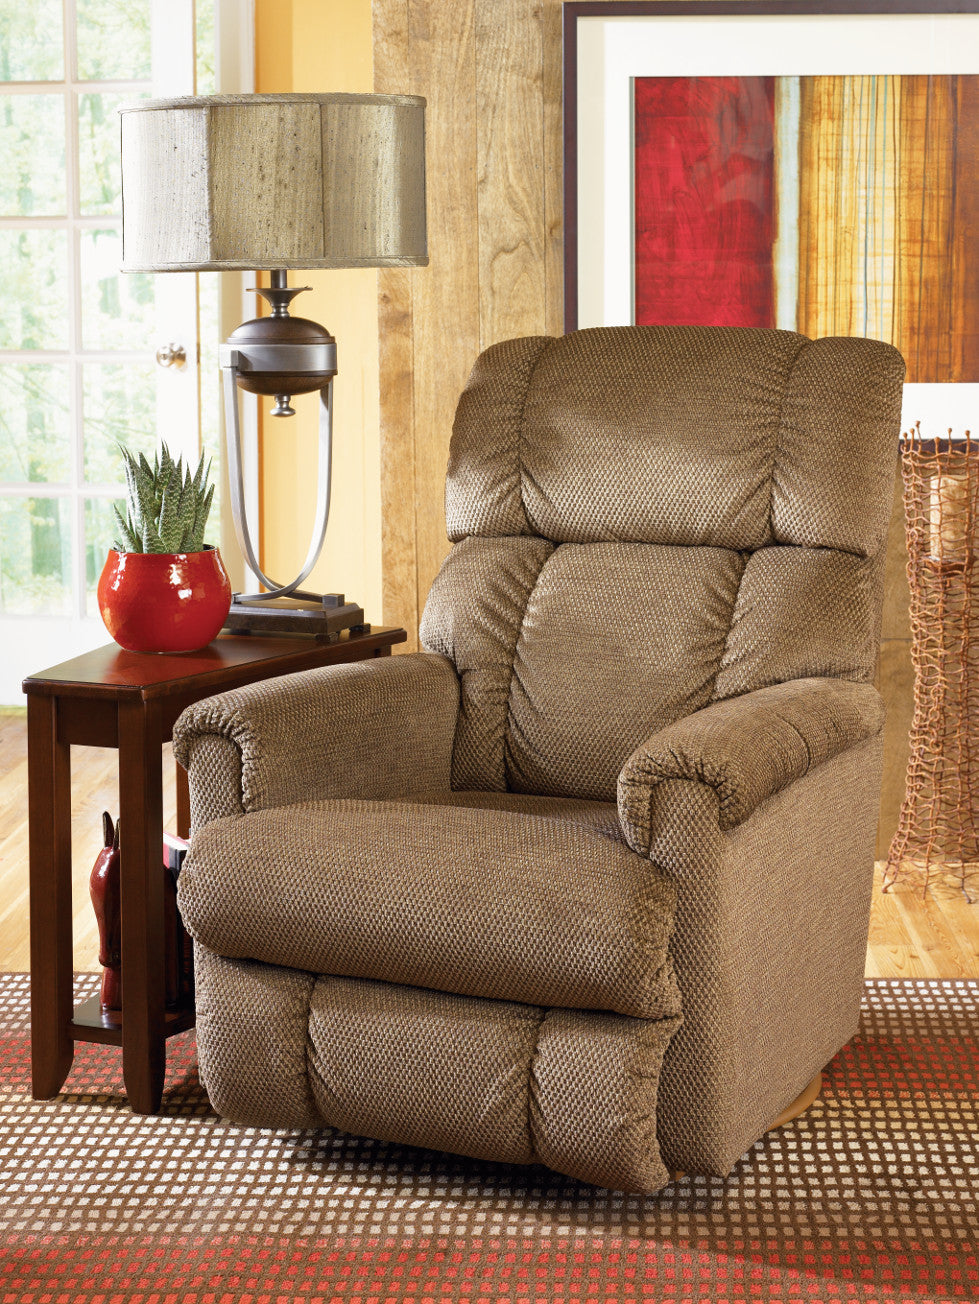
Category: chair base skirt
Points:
column 575, row 1090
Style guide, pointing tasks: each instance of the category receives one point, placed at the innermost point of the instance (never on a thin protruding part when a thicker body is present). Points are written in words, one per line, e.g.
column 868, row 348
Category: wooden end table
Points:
column 130, row 701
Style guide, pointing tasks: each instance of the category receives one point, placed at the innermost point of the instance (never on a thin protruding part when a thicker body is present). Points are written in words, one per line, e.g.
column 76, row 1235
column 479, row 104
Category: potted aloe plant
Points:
column 163, row 589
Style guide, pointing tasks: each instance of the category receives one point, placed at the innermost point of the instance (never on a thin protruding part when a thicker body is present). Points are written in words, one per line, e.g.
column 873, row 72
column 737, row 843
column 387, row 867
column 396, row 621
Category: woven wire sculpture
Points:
column 938, row 830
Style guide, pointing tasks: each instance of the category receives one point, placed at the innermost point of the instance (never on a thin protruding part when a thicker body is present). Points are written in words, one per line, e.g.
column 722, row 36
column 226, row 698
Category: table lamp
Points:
column 269, row 183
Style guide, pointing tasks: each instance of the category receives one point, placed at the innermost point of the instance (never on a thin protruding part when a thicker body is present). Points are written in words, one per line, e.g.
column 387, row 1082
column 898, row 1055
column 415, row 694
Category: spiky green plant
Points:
column 167, row 506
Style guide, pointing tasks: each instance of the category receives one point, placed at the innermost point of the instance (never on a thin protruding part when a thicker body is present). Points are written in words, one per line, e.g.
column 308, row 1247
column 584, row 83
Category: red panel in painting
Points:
column 705, row 204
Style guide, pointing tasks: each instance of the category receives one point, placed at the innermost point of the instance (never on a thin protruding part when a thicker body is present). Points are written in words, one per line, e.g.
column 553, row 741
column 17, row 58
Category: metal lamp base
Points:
column 325, row 618
column 279, row 356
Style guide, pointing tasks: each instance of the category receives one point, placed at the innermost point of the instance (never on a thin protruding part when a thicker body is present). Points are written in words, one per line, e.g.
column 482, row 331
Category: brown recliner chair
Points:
column 420, row 914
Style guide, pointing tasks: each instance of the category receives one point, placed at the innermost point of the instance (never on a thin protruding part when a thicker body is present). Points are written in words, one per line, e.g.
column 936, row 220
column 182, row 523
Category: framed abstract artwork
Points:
column 799, row 164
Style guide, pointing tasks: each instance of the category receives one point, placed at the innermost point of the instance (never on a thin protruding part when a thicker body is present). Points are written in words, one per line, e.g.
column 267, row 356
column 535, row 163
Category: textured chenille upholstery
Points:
column 585, row 882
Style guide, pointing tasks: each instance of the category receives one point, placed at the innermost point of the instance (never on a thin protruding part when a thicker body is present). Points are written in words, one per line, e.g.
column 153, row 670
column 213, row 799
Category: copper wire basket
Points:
column 937, row 836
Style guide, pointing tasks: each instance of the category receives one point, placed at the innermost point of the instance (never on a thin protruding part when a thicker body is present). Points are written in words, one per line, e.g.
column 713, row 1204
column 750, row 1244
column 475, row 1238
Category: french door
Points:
column 78, row 340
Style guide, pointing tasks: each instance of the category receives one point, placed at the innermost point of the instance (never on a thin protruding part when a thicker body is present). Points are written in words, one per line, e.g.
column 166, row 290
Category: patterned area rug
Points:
column 870, row 1197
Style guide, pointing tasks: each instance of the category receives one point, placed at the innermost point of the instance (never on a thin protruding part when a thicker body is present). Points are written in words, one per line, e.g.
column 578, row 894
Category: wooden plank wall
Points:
column 491, row 72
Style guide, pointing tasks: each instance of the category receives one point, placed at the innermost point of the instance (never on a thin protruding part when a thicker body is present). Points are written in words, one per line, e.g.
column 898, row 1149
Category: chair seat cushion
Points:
column 503, row 904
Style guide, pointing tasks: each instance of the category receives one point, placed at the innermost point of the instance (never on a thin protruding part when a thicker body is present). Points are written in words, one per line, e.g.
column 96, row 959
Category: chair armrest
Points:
column 372, row 729
column 747, row 748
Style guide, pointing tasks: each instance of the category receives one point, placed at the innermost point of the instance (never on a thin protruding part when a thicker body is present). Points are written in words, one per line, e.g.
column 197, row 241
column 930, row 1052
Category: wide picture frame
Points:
column 800, row 164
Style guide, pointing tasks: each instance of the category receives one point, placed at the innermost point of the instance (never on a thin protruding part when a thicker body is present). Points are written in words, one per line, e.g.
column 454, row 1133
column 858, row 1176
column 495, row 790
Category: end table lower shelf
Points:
column 91, row 1023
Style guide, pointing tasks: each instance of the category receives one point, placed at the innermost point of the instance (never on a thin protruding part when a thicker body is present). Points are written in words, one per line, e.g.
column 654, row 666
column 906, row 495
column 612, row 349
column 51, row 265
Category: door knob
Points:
column 171, row 355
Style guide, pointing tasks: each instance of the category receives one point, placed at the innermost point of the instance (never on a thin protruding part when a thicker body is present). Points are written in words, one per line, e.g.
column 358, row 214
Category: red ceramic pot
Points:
column 164, row 602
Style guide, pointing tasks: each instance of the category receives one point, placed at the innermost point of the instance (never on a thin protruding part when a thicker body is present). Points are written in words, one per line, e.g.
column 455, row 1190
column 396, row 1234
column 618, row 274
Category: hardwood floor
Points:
column 923, row 935
column 911, row 936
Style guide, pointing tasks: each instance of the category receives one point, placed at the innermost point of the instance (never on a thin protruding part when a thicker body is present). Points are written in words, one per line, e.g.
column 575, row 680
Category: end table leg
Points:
column 141, row 872
column 49, row 823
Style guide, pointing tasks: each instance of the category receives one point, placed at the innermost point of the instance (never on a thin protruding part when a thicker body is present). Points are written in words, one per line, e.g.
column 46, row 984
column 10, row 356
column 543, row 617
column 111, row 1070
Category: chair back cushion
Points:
column 646, row 519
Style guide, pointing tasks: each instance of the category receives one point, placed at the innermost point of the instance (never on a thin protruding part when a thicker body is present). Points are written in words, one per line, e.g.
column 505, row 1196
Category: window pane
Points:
column 31, row 40
column 34, row 423
column 118, row 407
column 101, row 530
column 32, row 146
column 34, row 303
column 204, row 47
column 100, row 183
column 35, row 557
column 117, row 309
column 113, row 40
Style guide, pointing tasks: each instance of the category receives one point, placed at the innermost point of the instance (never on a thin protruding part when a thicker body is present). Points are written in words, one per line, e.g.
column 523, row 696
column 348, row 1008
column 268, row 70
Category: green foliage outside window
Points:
column 113, row 403
column 31, row 40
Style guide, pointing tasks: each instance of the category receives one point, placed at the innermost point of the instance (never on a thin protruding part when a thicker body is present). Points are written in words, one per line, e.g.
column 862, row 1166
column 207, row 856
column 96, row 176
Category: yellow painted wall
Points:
column 325, row 45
